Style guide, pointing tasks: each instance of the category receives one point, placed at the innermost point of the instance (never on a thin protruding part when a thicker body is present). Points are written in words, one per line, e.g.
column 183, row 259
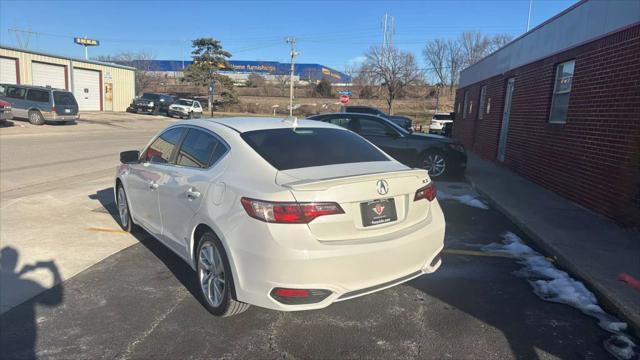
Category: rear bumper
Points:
column 346, row 270
column 53, row 117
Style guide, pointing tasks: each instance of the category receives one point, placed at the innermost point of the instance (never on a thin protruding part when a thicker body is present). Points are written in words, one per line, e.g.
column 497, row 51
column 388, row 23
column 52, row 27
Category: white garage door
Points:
column 48, row 75
column 86, row 89
column 8, row 71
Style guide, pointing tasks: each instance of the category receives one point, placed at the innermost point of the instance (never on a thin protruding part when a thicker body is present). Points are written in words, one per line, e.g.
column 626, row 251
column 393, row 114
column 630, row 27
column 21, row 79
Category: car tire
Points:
column 36, row 118
column 124, row 214
column 435, row 162
column 213, row 274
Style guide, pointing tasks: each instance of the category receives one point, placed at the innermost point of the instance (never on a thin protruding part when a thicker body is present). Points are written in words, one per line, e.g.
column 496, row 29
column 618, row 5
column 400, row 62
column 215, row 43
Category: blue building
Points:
column 239, row 70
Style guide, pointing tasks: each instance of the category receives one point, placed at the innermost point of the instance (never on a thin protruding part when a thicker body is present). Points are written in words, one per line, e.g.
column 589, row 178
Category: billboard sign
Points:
column 86, row 42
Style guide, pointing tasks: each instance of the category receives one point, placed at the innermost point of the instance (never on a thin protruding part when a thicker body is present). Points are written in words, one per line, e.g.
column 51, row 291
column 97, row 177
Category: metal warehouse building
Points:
column 239, row 70
column 560, row 106
column 96, row 86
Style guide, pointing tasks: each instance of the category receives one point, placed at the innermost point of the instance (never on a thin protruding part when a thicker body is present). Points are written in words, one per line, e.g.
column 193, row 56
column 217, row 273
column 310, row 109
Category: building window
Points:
column 482, row 104
column 465, row 106
column 561, row 92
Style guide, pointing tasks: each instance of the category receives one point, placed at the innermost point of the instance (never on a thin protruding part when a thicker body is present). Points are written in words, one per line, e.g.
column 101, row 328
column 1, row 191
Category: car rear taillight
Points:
column 426, row 192
column 53, row 110
column 288, row 212
column 299, row 296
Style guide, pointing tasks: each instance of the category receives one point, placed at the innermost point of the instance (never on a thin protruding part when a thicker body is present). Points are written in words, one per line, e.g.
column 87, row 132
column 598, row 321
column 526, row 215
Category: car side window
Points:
column 38, row 95
column 200, row 149
column 196, row 105
column 16, row 92
column 373, row 128
column 345, row 122
column 160, row 150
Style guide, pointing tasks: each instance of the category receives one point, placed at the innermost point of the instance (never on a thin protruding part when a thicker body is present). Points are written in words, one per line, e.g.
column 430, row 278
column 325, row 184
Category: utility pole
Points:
column 384, row 31
column 294, row 54
column 388, row 25
column 22, row 37
column 529, row 16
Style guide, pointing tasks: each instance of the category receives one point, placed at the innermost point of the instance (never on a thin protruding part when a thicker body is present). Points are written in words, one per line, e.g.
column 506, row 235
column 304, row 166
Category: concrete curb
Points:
column 604, row 298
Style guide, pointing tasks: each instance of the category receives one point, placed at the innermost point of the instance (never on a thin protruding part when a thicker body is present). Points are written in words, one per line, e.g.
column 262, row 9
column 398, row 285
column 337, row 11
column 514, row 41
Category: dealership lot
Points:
column 128, row 297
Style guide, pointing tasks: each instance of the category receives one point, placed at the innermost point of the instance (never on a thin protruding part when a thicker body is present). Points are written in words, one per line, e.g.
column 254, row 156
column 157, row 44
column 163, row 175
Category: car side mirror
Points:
column 130, row 157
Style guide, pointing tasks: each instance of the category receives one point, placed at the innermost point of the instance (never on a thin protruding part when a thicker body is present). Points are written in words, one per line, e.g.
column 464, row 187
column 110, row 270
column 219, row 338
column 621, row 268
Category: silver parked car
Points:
column 40, row 104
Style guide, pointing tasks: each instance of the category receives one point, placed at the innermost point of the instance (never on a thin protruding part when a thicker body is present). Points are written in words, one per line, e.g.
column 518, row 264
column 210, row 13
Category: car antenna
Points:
column 294, row 121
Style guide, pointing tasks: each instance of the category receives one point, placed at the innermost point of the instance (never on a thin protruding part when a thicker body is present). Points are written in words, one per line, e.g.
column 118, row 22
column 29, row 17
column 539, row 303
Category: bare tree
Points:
column 283, row 83
column 474, row 46
column 392, row 68
column 455, row 62
column 142, row 61
column 498, row 41
column 436, row 54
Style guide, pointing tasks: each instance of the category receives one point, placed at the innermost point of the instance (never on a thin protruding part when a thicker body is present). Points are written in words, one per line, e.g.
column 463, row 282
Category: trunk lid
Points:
column 356, row 188
column 65, row 103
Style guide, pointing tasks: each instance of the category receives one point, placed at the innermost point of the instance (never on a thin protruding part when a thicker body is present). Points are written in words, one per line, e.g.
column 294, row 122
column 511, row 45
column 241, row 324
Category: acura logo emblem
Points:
column 383, row 187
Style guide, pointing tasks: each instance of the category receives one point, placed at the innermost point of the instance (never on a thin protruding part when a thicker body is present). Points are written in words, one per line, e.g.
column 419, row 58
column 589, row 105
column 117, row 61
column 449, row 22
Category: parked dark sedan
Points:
column 153, row 103
column 437, row 154
column 402, row 121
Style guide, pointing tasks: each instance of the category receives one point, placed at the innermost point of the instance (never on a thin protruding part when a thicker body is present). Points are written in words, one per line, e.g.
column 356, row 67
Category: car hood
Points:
column 182, row 107
column 433, row 137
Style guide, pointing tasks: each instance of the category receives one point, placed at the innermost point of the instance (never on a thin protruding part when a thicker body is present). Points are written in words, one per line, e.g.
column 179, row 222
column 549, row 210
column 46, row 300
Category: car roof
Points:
column 244, row 124
column 35, row 87
column 360, row 106
column 350, row 114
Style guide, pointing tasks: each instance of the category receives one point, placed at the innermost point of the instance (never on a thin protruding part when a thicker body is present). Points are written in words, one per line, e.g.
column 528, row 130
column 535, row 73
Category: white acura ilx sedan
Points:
column 283, row 214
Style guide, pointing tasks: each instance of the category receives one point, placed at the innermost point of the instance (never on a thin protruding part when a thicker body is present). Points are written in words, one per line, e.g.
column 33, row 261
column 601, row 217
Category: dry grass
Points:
column 418, row 109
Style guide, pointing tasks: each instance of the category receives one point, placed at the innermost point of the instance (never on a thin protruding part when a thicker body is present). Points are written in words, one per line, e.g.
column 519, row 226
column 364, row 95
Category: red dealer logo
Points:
column 344, row 99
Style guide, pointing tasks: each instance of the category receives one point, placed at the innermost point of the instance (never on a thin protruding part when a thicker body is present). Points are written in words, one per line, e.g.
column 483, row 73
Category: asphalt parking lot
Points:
column 126, row 296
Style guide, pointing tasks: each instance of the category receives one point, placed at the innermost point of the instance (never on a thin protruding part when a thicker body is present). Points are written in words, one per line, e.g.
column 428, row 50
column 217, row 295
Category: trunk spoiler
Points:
column 325, row 183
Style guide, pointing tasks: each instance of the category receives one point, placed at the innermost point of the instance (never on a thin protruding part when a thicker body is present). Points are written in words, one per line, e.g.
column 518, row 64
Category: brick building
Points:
column 560, row 106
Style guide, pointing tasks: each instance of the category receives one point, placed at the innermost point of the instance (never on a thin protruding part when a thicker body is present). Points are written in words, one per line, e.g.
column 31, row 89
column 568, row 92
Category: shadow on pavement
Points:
column 20, row 342
column 178, row 267
column 502, row 300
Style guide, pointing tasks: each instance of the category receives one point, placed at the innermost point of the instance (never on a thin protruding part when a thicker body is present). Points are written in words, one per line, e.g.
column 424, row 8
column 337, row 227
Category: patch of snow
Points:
column 552, row 284
column 466, row 199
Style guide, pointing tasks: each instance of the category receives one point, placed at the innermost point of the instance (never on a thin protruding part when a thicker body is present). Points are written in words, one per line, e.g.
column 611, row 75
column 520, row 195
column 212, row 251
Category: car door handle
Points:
column 193, row 194
column 153, row 185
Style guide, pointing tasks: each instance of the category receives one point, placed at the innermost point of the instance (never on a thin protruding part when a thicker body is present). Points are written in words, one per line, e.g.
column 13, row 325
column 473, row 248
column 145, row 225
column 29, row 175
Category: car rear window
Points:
column 64, row 98
column 298, row 148
column 150, row 96
column 360, row 110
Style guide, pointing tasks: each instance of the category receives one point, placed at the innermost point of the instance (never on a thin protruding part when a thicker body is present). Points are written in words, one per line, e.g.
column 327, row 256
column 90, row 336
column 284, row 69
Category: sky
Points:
column 331, row 33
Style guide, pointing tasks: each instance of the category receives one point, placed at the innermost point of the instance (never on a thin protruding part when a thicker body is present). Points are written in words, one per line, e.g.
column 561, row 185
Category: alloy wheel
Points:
column 435, row 164
column 123, row 210
column 211, row 274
